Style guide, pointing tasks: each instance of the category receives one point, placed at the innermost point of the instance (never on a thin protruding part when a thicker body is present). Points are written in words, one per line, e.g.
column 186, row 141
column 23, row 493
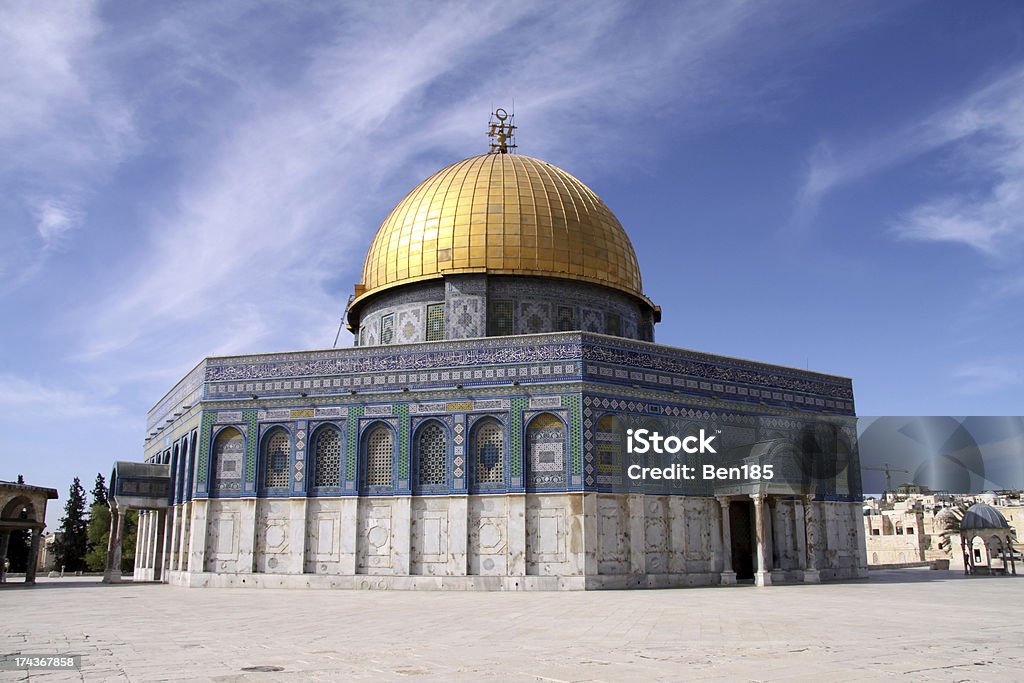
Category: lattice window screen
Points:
column 435, row 322
column 328, row 458
column 609, row 446
column 566, row 320
column 499, row 318
column 387, row 328
column 432, row 447
column 276, row 457
column 613, row 325
column 379, row 451
column 489, row 446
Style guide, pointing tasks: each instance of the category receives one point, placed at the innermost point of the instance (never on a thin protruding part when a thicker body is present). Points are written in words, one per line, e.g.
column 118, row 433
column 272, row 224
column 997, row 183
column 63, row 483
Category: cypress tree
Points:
column 73, row 545
column 99, row 491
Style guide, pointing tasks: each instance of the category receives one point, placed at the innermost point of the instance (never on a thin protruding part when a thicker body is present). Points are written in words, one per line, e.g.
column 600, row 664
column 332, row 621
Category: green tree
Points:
column 74, row 544
column 99, row 533
column 99, row 491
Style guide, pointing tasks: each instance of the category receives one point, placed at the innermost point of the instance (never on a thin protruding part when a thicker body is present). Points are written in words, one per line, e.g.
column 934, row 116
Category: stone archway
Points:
column 23, row 508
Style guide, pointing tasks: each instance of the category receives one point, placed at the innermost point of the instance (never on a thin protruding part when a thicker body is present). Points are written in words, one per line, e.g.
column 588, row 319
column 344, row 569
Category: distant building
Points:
column 48, row 551
column 914, row 525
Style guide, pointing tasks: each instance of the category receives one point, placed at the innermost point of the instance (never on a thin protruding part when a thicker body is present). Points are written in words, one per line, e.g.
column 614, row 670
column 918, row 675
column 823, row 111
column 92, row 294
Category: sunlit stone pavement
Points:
column 917, row 625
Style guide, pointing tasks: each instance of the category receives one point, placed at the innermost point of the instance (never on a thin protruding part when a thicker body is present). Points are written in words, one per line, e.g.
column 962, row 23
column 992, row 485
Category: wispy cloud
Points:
column 23, row 398
column 988, row 375
column 981, row 140
column 63, row 126
column 54, row 220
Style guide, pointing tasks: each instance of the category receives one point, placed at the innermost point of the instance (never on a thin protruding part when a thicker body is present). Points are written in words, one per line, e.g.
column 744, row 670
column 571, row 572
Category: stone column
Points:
column 728, row 574
column 247, row 546
column 5, row 539
column 799, row 534
column 197, row 538
column 811, row 574
column 113, row 571
column 677, row 534
column 637, row 534
column 458, row 535
column 159, row 529
column 186, row 509
column 762, row 577
column 776, row 539
column 149, row 544
column 143, row 534
column 516, row 526
column 172, row 555
column 140, row 534
column 857, row 513
column 590, row 540
column 1013, row 560
column 348, row 529
column 33, row 557
column 401, row 534
column 297, row 550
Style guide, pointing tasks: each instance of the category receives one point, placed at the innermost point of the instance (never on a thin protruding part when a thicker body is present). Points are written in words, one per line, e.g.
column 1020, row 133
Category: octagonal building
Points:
column 475, row 437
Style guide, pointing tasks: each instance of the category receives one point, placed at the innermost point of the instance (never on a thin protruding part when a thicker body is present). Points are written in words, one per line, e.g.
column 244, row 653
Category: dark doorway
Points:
column 741, row 528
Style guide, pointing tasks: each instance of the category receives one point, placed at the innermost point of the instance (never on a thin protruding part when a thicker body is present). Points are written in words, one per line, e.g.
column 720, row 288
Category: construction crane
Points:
column 888, row 474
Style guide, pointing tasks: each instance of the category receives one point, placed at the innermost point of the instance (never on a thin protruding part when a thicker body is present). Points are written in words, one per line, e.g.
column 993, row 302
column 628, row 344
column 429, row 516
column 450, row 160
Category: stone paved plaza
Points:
column 914, row 625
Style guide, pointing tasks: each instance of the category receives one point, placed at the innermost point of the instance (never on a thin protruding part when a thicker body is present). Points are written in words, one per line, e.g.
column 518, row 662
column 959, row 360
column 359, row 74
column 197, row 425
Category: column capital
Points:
column 723, row 501
column 759, row 498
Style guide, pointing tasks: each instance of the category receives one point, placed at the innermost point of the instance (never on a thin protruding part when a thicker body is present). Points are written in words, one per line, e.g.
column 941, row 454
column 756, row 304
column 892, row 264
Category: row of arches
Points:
column 440, row 456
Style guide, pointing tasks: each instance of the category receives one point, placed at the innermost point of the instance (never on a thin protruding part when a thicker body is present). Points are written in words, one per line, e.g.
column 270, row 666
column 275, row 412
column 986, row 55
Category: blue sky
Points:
column 835, row 185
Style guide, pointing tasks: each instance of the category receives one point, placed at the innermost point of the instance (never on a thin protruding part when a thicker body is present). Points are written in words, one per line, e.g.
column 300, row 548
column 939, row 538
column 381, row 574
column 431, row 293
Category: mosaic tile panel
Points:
column 205, row 422
column 228, row 456
column 352, row 443
column 518, row 406
column 401, row 410
column 250, row 418
column 545, row 444
column 534, row 317
column 572, row 402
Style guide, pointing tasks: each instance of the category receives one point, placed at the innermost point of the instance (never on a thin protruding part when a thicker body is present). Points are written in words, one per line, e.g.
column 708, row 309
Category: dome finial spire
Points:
column 501, row 131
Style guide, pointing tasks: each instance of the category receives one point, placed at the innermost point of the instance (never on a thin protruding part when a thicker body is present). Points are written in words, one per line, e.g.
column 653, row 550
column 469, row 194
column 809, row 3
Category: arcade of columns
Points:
column 154, row 557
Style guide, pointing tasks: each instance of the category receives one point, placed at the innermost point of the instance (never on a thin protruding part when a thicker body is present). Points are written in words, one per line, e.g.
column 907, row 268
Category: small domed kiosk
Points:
column 986, row 535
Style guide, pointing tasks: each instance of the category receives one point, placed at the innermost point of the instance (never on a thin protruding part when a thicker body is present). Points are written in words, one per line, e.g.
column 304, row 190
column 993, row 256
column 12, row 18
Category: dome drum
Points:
column 471, row 306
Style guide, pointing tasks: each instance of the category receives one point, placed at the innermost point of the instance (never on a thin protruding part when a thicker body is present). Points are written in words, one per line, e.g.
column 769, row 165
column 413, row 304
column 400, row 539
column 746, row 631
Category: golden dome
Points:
column 503, row 214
